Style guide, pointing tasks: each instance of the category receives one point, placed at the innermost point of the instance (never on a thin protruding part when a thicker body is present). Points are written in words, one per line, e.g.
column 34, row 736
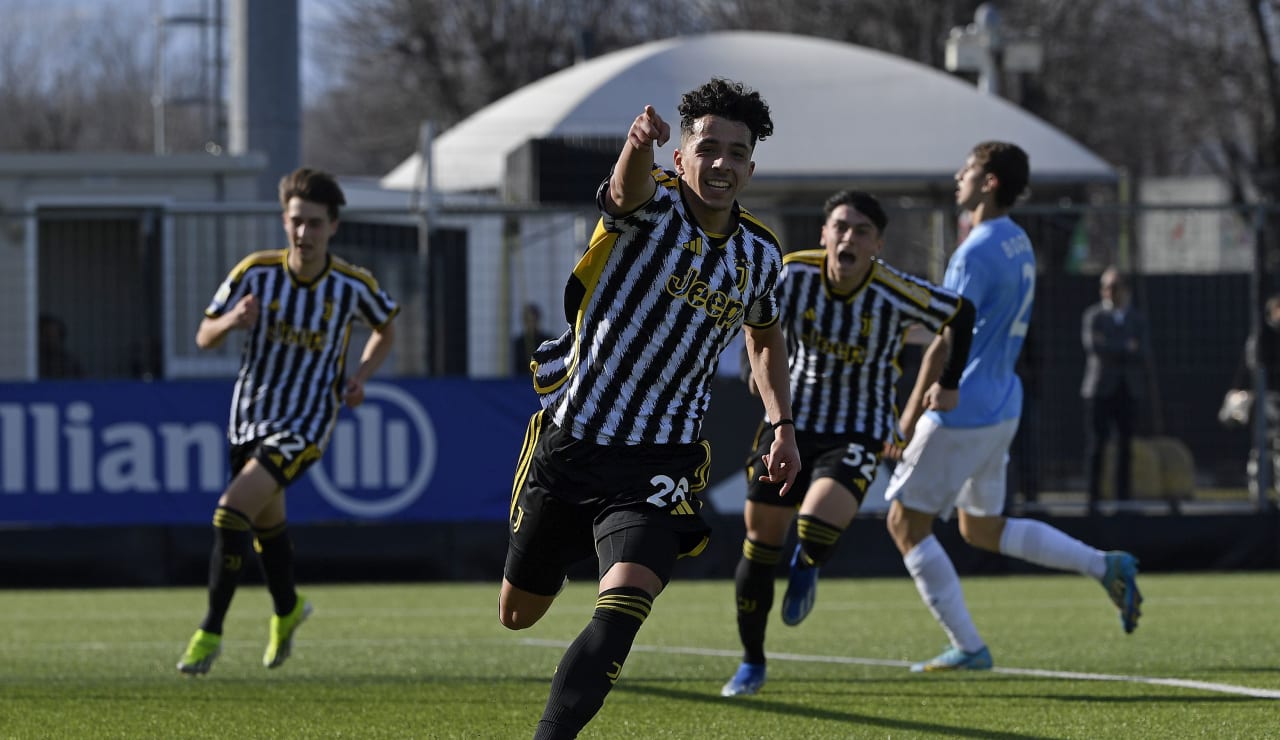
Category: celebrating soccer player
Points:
column 613, row 463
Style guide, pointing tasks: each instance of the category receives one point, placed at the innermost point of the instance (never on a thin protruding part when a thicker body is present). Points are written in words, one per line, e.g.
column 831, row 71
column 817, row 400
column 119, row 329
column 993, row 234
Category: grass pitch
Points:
column 431, row 661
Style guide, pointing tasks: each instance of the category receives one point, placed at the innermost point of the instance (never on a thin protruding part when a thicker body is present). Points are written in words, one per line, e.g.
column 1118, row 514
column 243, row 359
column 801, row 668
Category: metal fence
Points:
column 123, row 289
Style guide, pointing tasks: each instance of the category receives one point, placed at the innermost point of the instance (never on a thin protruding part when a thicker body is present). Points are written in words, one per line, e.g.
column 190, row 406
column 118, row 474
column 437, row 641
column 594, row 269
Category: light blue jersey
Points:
column 994, row 268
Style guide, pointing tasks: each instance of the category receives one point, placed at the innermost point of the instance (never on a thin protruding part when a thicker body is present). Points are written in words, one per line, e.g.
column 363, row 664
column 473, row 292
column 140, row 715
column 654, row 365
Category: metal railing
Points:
column 129, row 284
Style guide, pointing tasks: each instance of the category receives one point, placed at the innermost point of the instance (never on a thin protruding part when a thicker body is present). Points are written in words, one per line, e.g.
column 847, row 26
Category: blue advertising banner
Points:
column 108, row 453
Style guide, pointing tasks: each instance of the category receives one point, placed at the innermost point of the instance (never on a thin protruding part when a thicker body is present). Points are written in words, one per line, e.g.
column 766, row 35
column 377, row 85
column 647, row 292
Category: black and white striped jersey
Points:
column 292, row 365
column 842, row 350
column 650, row 306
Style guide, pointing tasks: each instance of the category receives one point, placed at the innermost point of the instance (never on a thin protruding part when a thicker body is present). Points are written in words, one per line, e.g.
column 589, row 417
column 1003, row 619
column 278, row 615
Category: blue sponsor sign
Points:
column 89, row 453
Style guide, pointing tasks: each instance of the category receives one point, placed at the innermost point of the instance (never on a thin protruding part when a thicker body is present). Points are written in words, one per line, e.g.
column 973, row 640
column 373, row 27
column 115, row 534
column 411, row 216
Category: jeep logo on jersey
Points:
column 718, row 304
column 381, row 456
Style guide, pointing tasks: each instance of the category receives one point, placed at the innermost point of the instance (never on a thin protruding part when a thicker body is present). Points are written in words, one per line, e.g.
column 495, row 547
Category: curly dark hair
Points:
column 726, row 99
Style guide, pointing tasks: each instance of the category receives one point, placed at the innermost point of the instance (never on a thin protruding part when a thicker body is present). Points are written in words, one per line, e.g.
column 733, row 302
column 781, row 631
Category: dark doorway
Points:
column 99, row 275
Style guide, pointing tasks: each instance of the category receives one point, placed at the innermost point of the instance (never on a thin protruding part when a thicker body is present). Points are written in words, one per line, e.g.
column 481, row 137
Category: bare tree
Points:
column 1240, row 114
column 79, row 80
column 397, row 63
column 1165, row 87
column 405, row 61
column 1157, row 87
column 914, row 29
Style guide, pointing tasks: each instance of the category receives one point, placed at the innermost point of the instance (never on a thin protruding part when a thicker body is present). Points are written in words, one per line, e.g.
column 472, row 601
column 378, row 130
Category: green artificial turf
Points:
column 431, row 661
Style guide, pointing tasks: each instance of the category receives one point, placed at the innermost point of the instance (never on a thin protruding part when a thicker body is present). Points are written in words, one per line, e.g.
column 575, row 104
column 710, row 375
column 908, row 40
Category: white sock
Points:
column 939, row 587
column 1036, row 542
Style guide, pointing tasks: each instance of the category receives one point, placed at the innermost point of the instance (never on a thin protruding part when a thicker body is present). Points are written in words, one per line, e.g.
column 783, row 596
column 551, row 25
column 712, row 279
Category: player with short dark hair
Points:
column 956, row 459
column 845, row 315
column 613, row 463
column 297, row 306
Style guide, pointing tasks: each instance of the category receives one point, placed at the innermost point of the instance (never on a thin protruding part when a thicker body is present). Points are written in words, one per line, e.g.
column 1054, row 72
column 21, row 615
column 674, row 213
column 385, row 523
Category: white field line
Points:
column 1221, row 688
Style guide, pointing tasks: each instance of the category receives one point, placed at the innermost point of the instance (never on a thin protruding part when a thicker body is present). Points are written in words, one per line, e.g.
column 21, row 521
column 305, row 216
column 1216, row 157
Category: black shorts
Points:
column 849, row 460
column 285, row 455
column 571, row 496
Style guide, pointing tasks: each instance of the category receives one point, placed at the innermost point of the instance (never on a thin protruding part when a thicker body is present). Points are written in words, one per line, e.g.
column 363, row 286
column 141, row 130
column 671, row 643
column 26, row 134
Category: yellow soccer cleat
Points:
column 203, row 648
column 282, row 629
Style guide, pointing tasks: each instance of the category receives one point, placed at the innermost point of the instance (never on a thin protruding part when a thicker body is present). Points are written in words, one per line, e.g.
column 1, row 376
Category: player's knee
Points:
column 970, row 537
column 518, row 609
column 512, row 621
column 519, row 619
column 982, row 532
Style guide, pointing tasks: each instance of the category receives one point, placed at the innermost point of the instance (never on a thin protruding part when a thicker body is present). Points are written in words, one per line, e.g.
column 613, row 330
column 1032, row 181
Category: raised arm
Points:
column 631, row 185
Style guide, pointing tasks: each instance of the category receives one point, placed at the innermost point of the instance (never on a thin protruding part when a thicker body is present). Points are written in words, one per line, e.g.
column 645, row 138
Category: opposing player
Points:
column 613, row 463
column 956, row 459
column 297, row 306
column 845, row 315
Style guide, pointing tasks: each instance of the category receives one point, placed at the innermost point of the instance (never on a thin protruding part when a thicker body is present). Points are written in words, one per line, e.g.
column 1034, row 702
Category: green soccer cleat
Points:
column 203, row 648
column 955, row 659
column 1121, row 584
column 282, row 629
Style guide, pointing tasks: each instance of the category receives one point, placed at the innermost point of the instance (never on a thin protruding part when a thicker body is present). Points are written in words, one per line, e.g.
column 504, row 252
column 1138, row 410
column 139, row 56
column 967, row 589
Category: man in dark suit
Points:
column 1115, row 343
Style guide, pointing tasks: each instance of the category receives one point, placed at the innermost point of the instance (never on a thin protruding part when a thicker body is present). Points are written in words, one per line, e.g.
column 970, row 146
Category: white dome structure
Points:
column 841, row 113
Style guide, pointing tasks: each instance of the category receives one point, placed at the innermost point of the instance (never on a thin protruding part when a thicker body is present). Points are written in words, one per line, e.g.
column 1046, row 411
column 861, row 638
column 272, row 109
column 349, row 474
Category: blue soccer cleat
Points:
column 955, row 659
column 802, row 591
column 746, row 682
column 1121, row 584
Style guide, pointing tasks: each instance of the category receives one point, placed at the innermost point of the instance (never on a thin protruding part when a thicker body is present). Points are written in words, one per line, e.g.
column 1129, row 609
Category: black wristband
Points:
column 781, row 422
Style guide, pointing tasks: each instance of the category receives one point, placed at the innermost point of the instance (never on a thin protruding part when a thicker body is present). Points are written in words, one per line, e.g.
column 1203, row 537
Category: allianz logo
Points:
column 389, row 460
column 379, row 461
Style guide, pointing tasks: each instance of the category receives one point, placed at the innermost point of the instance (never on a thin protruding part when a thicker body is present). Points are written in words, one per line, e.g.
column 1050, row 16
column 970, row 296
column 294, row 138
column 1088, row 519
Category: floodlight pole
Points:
column 987, row 20
column 985, row 48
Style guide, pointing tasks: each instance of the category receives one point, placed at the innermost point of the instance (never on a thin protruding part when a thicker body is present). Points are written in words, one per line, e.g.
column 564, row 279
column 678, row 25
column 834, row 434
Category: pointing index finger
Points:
column 661, row 131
